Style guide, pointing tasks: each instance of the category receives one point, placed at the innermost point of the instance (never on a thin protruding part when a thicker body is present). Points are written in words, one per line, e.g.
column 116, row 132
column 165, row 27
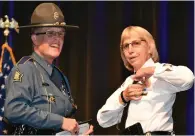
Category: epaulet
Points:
column 24, row 59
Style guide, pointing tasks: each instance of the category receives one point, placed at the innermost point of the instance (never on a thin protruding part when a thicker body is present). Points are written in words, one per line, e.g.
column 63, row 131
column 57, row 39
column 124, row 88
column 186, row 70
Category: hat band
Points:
column 48, row 24
column 56, row 24
column 42, row 25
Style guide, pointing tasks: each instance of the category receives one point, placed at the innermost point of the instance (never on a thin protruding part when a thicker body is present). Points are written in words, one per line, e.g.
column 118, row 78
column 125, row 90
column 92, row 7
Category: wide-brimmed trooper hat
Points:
column 47, row 15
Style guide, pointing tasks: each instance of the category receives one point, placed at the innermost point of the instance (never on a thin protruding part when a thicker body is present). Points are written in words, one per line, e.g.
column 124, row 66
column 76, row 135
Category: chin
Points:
column 54, row 55
column 135, row 64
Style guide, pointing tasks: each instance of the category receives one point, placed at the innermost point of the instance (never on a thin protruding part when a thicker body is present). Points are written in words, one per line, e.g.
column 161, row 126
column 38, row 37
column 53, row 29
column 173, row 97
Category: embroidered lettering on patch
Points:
column 18, row 76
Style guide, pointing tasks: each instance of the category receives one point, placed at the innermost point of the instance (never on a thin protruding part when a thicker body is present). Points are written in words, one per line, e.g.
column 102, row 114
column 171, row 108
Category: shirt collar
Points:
column 48, row 67
column 148, row 63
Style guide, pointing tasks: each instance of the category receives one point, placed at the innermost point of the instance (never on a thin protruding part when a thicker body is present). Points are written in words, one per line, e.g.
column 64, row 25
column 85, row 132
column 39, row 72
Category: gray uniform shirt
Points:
column 33, row 99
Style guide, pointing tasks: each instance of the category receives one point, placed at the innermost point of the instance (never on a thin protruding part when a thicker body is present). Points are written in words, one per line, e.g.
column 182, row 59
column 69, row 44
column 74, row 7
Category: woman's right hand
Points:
column 70, row 125
column 133, row 92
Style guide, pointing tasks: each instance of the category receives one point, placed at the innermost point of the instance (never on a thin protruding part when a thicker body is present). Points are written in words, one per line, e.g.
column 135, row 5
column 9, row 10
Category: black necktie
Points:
column 58, row 80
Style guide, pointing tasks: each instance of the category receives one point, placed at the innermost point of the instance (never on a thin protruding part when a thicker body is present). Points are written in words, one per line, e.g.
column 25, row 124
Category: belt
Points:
column 159, row 133
column 19, row 129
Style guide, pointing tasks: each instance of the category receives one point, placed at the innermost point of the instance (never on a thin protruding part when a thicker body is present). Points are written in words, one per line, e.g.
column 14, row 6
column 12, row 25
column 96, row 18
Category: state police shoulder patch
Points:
column 169, row 67
column 18, row 76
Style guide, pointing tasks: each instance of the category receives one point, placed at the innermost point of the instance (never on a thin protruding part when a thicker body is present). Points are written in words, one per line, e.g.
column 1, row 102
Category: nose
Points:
column 130, row 49
column 56, row 34
column 55, row 38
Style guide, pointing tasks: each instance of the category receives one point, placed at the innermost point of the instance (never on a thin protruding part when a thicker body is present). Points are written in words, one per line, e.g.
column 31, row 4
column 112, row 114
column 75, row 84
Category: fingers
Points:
column 70, row 125
column 89, row 131
column 135, row 92
column 136, row 78
column 75, row 129
column 146, row 72
column 147, row 83
column 137, row 86
column 144, row 80
column 137, row 96
column 134, row 95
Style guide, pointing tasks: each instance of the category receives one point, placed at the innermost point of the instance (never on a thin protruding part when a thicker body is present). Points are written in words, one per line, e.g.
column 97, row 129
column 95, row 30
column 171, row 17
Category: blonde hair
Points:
column 145, row 35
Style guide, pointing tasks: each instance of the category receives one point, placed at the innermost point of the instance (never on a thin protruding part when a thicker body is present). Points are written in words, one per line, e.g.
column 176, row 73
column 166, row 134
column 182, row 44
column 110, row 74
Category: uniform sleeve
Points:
column 111, row 113
column 172, row 79
column 19, row 95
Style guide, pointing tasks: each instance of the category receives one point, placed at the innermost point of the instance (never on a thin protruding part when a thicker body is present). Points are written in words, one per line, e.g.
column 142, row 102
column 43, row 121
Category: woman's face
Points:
column 136, row 51
column 49, row 42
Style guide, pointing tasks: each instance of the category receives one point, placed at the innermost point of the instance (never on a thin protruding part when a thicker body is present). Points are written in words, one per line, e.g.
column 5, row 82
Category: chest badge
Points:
column 52, row 99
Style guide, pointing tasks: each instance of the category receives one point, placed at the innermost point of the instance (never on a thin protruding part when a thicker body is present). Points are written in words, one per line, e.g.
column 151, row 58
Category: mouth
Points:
column 133, row 58
column 55, row 46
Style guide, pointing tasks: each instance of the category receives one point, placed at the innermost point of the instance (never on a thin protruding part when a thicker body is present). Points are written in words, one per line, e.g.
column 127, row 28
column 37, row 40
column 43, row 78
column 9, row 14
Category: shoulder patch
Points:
column 166, row 64
column 18, row 76
column 168, row 67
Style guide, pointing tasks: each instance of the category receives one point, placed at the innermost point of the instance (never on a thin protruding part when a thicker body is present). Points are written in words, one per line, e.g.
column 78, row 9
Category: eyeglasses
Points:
column 51, row 34
column 134, row 44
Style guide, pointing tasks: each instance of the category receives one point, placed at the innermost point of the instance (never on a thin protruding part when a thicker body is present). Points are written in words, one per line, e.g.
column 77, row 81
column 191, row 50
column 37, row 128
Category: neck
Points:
column 136, row 68
column 48, row 59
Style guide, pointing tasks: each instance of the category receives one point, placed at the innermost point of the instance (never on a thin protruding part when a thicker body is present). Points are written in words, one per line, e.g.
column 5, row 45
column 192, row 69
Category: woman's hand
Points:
column 143, row 74
column 133, row 92
column 70, row 125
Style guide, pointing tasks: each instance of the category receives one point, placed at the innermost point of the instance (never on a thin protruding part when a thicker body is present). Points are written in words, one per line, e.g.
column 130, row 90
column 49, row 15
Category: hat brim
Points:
column 49, row 25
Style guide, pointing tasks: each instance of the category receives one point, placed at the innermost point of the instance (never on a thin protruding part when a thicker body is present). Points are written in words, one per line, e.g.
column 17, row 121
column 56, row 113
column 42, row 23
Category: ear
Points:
column 34, row 39
column 149, row 52
column 149, row 47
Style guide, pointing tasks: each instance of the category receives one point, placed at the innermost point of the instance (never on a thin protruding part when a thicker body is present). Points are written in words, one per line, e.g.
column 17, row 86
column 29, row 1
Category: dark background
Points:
column 91, row 57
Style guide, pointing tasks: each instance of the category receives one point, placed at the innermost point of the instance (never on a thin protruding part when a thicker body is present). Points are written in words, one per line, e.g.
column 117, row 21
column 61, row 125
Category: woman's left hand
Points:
column 143, row 74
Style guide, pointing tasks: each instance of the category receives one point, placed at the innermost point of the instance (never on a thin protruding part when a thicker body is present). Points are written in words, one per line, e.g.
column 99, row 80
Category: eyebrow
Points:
column 132, row 41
